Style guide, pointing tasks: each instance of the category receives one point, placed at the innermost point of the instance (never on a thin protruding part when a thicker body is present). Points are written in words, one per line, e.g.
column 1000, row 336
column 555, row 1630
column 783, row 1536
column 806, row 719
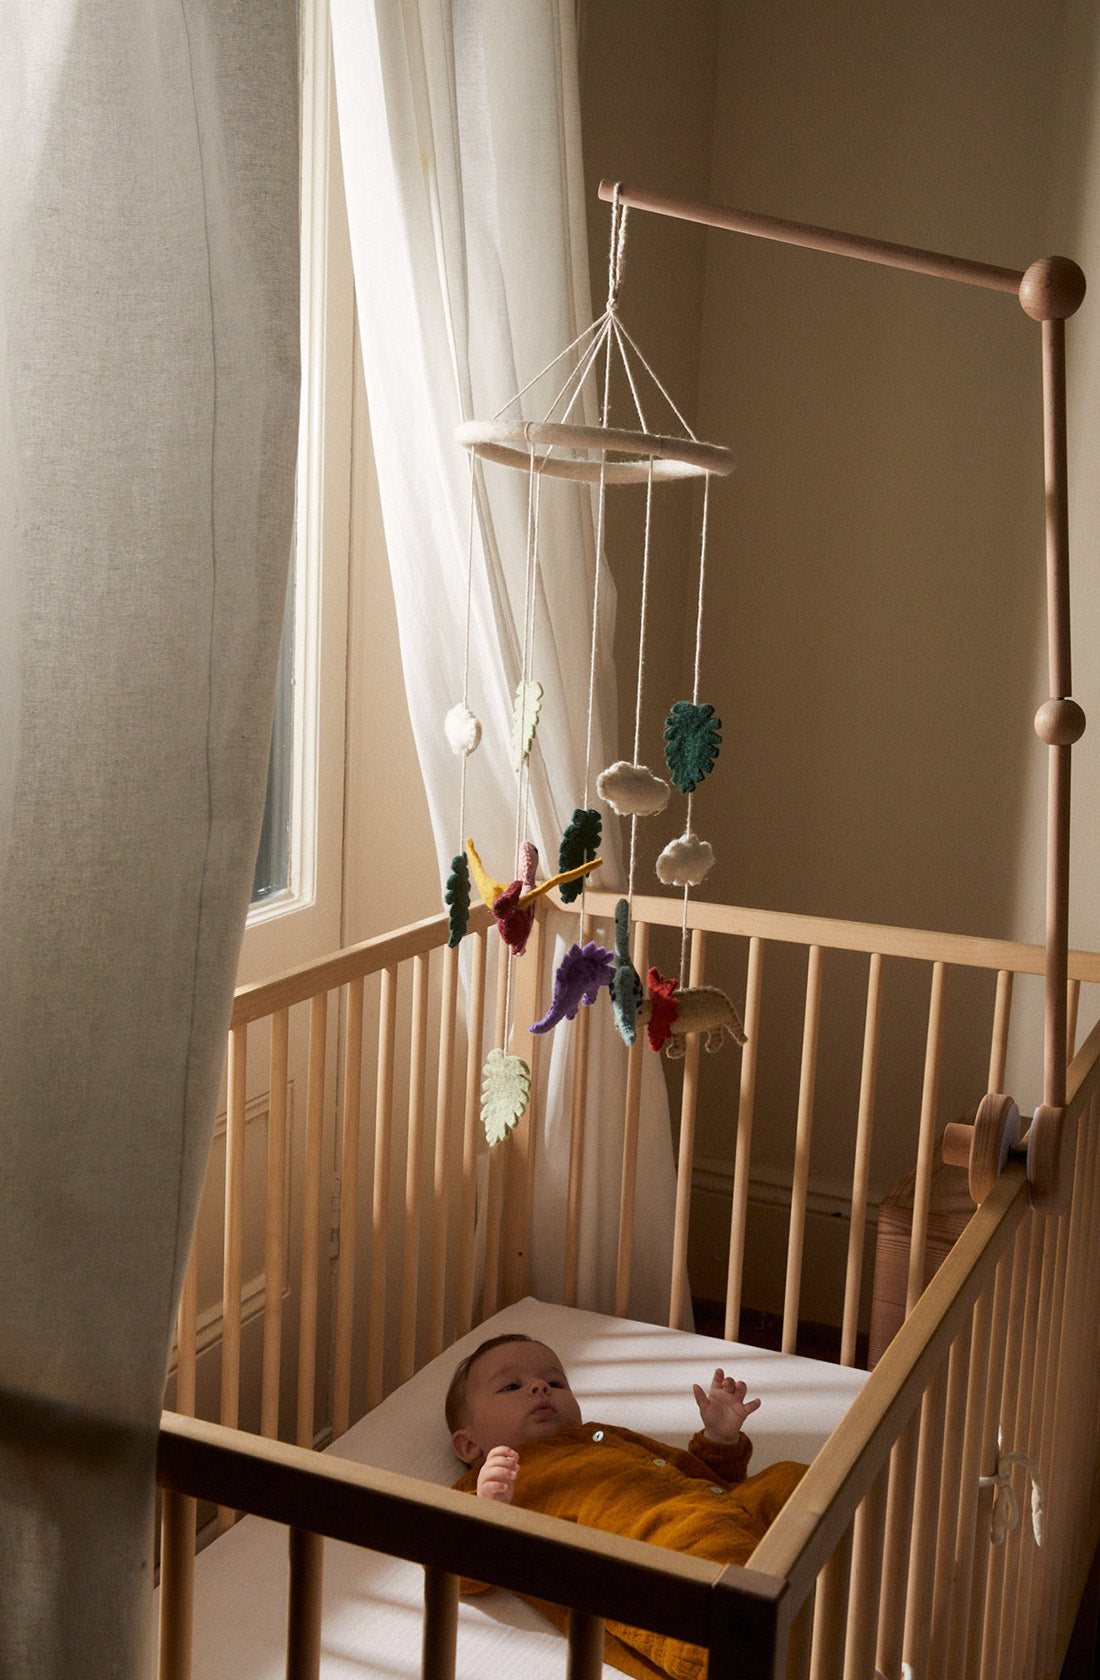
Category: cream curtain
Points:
column 460, row 132
column 148, row 407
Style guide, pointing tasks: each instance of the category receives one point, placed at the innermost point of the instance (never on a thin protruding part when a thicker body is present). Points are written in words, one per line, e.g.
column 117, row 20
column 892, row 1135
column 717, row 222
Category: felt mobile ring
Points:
column 607, row 454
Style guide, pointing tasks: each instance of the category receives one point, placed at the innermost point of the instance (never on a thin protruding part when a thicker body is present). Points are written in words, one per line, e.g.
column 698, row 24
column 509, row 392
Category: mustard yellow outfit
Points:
column 699, row 1501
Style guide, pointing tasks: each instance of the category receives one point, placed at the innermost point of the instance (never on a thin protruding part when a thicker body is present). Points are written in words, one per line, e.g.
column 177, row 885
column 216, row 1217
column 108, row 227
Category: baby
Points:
column 515, row 1422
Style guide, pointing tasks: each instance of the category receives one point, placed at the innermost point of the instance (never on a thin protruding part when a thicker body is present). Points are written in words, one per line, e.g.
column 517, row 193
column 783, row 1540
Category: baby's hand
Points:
column 497, row 1475
column 724, row 1408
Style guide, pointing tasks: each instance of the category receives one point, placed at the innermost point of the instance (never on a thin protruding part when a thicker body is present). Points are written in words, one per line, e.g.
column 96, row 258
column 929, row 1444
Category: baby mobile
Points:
column 562, row 447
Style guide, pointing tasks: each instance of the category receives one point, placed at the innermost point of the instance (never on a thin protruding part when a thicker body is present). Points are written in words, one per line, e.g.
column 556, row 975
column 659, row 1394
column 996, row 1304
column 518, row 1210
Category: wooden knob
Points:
column 1052, row 289
column 955, row 1143
column 1059, row 722
column 1049, row 1161
column 996, row 1130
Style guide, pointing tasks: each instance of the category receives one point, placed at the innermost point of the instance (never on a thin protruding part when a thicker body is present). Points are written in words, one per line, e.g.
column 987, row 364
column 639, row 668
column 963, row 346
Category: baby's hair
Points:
column 455, row 1405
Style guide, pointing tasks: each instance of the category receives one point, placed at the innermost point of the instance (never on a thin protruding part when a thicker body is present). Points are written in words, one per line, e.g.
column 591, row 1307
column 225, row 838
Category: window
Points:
column 296, row 903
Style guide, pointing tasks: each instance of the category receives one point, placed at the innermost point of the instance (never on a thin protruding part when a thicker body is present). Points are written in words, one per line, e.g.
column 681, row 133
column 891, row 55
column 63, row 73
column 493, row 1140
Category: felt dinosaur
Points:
column 670, row 1015
column 581, row 973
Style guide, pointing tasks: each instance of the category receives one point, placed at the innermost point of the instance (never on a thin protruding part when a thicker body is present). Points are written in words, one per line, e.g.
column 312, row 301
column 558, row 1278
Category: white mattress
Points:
column 637, row 1375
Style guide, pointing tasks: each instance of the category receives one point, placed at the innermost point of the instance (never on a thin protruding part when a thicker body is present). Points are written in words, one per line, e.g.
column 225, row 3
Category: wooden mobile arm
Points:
column 1049, row 291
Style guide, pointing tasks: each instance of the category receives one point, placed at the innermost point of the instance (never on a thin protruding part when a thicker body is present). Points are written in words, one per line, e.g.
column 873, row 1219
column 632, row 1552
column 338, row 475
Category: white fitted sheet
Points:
column 637, row 1375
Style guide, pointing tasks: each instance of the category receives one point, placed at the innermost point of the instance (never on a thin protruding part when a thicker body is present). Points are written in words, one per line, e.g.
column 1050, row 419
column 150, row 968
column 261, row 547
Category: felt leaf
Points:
column 457, row 898
column 632, row 790
column 627, row 990
column 525, row 719
column 463, row 730
column 581, row 973
column 685, row 861
column 579, row 845
column 505, row 1093
column 692, row 737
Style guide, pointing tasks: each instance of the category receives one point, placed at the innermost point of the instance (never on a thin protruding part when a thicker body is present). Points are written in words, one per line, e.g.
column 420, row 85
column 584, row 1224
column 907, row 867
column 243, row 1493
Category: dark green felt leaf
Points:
column 579, row 844
column 693, row 736
column 457, row 897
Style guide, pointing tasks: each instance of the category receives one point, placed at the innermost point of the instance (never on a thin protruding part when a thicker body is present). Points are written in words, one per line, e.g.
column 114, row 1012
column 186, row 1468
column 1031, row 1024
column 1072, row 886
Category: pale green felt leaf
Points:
column 505, row 1092
column 525, row 718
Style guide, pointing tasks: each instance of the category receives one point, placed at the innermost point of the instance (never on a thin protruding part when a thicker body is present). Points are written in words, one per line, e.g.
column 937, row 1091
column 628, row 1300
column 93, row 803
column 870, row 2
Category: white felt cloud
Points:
column 463, row 730
column 632, row 790
column 685, row 861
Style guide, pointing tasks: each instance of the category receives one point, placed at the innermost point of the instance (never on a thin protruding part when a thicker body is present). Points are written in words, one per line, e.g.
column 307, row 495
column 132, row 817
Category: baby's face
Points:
column 516, row 1392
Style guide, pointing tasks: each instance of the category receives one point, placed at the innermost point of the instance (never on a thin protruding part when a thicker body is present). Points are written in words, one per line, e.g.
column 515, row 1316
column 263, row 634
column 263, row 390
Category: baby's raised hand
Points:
column 497, row 1476
column 723, row 1408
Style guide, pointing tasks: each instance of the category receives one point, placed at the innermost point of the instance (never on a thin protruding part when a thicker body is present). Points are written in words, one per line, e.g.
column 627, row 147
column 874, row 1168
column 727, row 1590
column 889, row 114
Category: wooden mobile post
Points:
column 1049, row 291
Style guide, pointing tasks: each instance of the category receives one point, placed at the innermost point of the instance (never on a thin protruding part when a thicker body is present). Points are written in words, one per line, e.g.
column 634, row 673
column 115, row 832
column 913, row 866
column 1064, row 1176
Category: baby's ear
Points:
column 465, row 1447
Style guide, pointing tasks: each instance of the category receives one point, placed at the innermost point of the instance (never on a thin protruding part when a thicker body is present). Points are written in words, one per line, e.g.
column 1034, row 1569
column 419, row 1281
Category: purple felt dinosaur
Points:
column 581, row 973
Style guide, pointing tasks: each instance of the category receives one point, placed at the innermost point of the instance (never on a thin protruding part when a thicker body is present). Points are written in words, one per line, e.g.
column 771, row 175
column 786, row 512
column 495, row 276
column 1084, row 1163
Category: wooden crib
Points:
column 884, row 1555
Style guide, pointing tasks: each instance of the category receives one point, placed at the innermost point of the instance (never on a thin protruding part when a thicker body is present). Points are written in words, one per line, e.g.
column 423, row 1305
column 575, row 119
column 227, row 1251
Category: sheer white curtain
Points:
column 148, row 408
column 460, row 131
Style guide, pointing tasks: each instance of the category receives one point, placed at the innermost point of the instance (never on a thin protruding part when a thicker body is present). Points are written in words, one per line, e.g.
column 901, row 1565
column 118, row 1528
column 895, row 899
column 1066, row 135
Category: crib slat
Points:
column 275, row 1224
column 232, row 1245
column 1004, row 1410
column 571, row 1265
column 735, row 1272
column 232, row 1259
column 475, row 1033
column 1016, row 1435
column 966, row 1542
column 800, row 1181
column 311, row 1219
column 585, row 1635
column 1077, row 1306
column 866, row 1582
column 959, row 1376
column 973, row 1633
column 349, row 1212
column 383, row 1134
column 861, row 1167
column 998, row 1047
column 187, row 1337
column 1073, row 1005
column 628, row 1186
column 437, row 1290
column 410, row 1256
column 926, row 1144
column 303, row 1632
column 437, row 1659
column 922, row 1556
column 494, row 1195
column 177, row 1585
column 1035, row 1444
column 895, row 1554
column 831, row 1613
column 800, row 1642
column 680, row 1288
column 519, row 1168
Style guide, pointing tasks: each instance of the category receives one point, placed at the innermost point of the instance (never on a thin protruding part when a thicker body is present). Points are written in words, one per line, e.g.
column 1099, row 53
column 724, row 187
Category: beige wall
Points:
column 874, row 612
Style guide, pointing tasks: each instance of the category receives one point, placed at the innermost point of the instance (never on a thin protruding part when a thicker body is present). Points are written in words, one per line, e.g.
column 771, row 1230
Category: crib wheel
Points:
column 1049, row 1161
column 996, row 1130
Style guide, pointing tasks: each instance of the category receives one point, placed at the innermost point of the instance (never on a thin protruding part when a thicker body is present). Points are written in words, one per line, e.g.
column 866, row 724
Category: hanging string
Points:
column 466, row 650
column 617, row 255
column 695, row 696
column 642, row 616
column 621, row 330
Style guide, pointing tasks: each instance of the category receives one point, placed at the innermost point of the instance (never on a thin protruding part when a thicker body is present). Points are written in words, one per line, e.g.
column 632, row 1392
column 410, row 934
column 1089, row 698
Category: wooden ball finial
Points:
column 1059, row 722
column 1052, row 289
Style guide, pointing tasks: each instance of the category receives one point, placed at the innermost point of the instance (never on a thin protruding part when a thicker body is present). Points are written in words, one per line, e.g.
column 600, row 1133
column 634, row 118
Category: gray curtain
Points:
column 148, row 409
